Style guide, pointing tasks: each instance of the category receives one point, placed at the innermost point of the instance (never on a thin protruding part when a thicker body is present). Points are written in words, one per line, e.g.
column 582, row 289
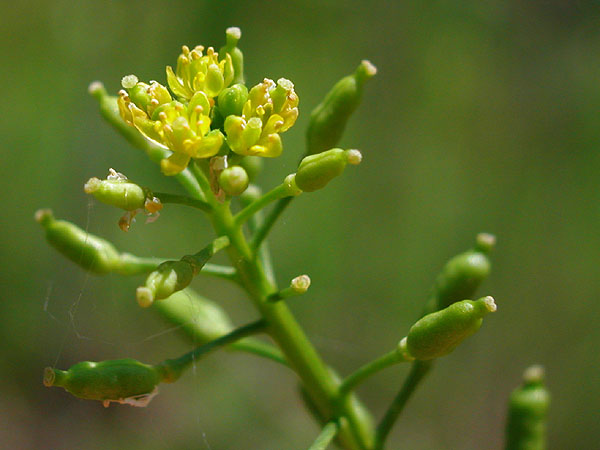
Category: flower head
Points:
column 270, row 109
column 197, row 72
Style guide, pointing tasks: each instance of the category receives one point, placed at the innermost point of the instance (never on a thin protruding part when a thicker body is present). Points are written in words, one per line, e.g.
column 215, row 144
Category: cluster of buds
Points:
column 203, row 114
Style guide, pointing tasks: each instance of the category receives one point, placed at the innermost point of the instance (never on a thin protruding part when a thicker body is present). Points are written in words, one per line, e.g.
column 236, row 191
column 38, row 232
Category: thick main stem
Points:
column 286, row 332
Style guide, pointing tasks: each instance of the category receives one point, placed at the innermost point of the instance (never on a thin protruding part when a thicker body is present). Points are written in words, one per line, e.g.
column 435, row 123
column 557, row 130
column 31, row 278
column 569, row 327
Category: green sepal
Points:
column 328, row 120
column 315, row 171
column 439, row 333
column 120, row 380
column 233, row 35
column 84, row 249
column 527, row 410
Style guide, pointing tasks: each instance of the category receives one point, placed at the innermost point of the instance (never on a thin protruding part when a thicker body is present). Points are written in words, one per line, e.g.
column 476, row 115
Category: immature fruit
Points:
column 84, row 249
column 315, row 171
column 116, row 380
column 234, row 180
column 231, row 100
column 438, row 333
column 233, row 35
column 527, row 410
column 328, row 120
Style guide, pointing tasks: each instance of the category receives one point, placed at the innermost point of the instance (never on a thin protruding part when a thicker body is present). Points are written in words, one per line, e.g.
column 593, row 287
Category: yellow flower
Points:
column 197, row 72
column 270, row 109
column 183, row 129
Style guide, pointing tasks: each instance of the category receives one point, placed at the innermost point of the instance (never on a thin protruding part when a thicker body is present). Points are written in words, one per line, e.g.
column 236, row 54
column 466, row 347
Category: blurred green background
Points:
column 483, row 117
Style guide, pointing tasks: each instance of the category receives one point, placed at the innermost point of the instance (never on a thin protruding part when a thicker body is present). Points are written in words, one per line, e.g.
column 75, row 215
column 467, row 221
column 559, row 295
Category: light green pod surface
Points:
column 328, row 120
column 527, row 410
column 439, row 333
column 120, row 193
column 106, row 380
column 199, row 317
column 84, row 249
column 315, row 171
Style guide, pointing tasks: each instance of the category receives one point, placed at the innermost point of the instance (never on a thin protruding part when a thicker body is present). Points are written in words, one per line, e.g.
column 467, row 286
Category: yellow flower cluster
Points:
column 181, row 119
column 270, row 109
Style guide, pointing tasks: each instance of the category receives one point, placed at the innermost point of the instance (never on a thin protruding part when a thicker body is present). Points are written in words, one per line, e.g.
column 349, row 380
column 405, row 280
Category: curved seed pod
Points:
column 328, row 120
column 438, row 333
column 231, row 100
column 173, row 276
column 527, row 410
column 121, row 380
column 234, row 180
column 315, row 171
column 117, row 191
column 462, row 275
column 84, row 249
column 232, row 36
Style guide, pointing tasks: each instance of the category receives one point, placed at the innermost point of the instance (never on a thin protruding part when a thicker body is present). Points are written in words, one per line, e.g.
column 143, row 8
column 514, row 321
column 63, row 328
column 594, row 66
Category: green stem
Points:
column 259, row 348
column 215, row 270
column 175, row 367
column 417, row 372
column 135, row 265
column 285, row 331
column 261, row 232
column 276, row 193
column 369, row 369
column 325, row 437
column 182, row 200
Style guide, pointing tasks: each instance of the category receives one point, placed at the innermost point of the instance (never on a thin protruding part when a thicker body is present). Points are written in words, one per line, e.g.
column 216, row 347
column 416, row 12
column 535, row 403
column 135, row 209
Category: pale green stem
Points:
column 177, row 366
column 261, row 232
column 283, row 294
column 369, row 369
column 182, row 200
column 417, row 372
column 274, row 194
column 325, row 437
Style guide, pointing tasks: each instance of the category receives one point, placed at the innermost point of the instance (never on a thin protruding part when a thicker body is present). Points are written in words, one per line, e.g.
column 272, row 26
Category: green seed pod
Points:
column 121, row 380
column 234, row 180
column 117, row 191
column 168, row 278
column 84, row 249
column 231, row 100
column 173, row 276
column 315, row 171
column 328, row 120
column 462, row 275
column 199, row 317
column 438, row 333
column 232, row 36
column 527, row 411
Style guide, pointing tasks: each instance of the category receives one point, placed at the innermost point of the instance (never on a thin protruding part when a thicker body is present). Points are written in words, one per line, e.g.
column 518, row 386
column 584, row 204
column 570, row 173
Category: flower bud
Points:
column 233, row 35
column 315, row 171
column 234, row 180
column 328, row 120
column 439, row 333
column 252, row 165
column 232, row 100
column 84, row 249
column 527, row 410
column 117, row 191
column 121, row 380
column 462, row 275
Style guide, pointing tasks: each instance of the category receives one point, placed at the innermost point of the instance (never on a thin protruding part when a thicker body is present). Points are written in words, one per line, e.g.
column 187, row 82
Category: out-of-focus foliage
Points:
column 483, row 117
